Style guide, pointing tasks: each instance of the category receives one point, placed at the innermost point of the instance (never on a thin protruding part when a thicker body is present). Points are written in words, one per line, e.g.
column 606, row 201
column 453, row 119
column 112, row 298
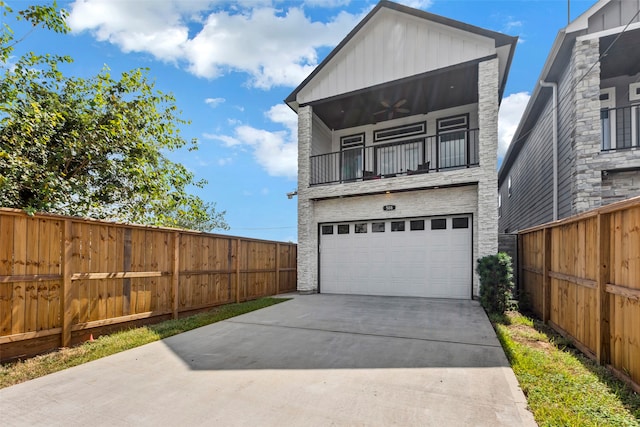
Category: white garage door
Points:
column 424, row 257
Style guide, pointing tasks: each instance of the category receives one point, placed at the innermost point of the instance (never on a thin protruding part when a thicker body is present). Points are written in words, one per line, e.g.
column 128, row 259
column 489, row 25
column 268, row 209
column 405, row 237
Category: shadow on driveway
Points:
column 346, row 332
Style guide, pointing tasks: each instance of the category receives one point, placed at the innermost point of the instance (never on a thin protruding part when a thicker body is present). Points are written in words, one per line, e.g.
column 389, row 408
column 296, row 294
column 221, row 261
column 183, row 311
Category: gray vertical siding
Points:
column 531, row 200
column 566, row 133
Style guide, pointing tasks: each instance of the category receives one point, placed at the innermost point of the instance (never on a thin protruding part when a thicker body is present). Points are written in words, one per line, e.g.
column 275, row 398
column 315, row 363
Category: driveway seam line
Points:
column 363, row 334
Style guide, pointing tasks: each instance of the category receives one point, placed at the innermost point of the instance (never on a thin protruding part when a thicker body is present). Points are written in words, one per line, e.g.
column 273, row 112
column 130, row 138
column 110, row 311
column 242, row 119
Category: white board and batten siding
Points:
column 392, row 46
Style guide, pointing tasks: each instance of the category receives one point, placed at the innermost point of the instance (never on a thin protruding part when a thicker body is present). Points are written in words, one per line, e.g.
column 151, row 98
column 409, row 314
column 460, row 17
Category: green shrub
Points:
column 496, row 282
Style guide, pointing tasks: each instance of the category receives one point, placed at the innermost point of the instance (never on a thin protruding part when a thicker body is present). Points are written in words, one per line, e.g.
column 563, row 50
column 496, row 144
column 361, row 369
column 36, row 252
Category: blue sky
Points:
column 230, row 65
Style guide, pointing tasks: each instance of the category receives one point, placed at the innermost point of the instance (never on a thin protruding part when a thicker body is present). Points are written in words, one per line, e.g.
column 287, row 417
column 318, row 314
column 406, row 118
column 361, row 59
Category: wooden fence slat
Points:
column 175, row 276
column 19, row 268
column 603, row 332
column 6, row 269
column 46, row 292
column 67, row 299
column 546, row 277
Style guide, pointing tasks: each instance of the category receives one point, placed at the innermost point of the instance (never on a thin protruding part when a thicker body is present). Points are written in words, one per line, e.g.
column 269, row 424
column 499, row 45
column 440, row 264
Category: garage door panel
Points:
column 421, row 262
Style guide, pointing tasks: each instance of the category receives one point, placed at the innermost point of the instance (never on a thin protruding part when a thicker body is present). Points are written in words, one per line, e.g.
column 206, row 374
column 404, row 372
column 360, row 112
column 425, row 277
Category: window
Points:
column 377, row 227
column 352, row 153
column 509, row 186
column 499, row 205
column 461, row 222
column 416, row 225
column 327, row 229
column 634, row 91
column 360, row 228
column 439, row 224
column 397, row 226
column 608, row 118
column 452, row 140
column 343, row 229
column 400, row 131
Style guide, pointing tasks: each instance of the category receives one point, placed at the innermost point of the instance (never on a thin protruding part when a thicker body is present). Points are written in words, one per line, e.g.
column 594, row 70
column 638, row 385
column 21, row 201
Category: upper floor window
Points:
column 452, row 140
column 509, row 186
column 352, row 147
column 608, row 117
column 499, row 205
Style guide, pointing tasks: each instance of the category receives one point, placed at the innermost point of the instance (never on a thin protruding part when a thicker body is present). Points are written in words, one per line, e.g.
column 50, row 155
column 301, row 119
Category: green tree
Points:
column 92, row 146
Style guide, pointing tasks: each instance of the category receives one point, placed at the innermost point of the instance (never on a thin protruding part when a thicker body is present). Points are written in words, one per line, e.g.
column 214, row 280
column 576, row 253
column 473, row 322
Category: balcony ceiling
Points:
column 622, row 58
column 424, row 93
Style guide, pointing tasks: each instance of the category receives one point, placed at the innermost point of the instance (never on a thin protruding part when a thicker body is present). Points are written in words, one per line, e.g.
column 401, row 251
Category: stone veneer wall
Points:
column 488, row 72
column 307, row 233
column 586, row 145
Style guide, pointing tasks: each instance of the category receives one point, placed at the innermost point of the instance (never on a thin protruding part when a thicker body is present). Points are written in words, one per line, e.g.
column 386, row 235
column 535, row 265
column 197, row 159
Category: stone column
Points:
column 487, row 244
column 586, row 188
column 307, row 232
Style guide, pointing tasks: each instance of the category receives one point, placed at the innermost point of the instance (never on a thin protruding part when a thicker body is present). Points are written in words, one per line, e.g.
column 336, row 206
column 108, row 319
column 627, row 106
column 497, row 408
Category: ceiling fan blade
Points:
column 381, row 111
column 402, row 110
column 385, row 103
column 400, row 103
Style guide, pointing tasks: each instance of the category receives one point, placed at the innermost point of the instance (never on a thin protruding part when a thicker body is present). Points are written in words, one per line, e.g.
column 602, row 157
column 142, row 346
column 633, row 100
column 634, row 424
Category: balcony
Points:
column 446, row 151
column 620, row 128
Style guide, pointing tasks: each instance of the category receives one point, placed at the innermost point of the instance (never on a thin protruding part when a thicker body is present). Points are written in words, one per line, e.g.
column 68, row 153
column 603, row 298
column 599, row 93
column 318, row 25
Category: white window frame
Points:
column 609, row 104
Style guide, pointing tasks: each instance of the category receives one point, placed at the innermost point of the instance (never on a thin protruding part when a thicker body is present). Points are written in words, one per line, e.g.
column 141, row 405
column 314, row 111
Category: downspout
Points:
column 554, row 86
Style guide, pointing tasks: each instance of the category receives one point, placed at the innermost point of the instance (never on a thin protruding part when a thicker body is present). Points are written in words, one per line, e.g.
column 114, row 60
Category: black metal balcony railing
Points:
column 620, row 128
column 456, row 149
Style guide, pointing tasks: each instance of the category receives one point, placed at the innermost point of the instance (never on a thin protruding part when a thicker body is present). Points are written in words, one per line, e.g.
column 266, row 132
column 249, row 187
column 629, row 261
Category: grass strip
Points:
column 563, row 387
column 20, row 371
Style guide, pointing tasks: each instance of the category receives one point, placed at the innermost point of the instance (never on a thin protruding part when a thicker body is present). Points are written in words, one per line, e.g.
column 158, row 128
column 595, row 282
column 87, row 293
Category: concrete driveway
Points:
column 314, row 361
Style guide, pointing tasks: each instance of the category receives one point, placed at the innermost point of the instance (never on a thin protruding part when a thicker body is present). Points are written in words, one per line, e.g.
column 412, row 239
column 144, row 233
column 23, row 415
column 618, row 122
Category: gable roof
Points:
column 499, row 38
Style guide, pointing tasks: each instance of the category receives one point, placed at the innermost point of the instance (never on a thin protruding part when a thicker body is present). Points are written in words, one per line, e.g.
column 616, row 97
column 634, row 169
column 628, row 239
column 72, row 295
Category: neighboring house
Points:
column 577, row 145
column 397, row 153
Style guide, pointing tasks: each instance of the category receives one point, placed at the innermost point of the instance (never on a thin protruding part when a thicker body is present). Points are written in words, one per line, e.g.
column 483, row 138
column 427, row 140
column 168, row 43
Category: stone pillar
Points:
column 487, row 244
column 586, row 188
column 307, row 231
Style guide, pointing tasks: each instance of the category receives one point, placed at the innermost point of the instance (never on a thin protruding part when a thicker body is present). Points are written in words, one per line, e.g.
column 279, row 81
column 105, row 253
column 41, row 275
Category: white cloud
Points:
column 275, row 151
column 250, row 37
column 419, row 4
column 214, row 102
column 224, row 161
column 509, row 116
column 326, row 3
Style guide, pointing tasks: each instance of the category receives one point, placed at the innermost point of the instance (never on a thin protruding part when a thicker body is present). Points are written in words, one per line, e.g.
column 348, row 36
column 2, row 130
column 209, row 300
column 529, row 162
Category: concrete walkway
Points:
column 317, row 360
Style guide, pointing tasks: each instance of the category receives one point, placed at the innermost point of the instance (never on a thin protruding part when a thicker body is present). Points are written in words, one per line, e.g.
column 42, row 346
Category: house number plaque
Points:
column 389, row 208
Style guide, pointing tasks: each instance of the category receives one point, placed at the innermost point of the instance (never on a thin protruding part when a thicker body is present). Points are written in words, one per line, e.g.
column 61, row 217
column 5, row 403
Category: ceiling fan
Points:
column 392, row 109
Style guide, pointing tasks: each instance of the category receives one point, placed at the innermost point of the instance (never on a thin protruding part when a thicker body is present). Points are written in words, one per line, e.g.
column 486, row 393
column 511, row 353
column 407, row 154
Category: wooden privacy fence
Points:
column 63, row 277
column 582, row 276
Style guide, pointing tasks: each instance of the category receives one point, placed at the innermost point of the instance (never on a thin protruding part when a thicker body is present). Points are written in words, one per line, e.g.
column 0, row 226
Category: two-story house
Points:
column 397, row 152
column 577, row 145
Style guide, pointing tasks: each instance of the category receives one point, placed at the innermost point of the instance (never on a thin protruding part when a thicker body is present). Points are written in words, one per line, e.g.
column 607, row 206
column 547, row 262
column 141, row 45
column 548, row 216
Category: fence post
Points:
column 546, row 279
column 238, row 243
column 175, row 274
column 519, row 266
column 67, row 294
column 603, row 333
column 277, row 268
